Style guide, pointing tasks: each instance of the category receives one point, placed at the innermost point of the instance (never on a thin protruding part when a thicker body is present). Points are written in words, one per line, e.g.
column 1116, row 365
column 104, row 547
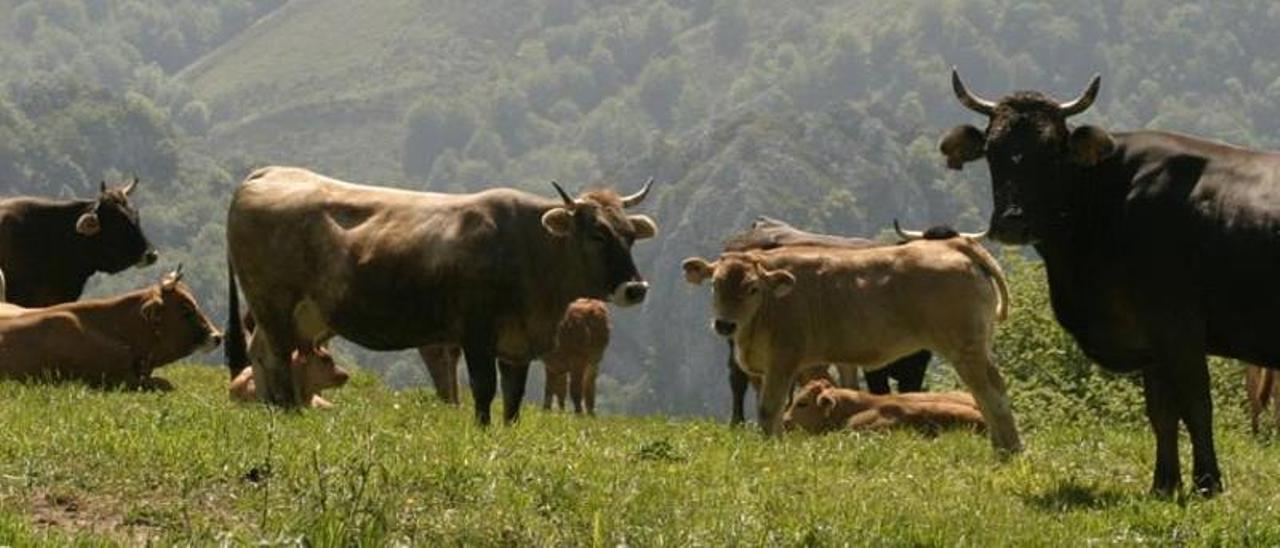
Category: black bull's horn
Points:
column 987, row 107
column 913, row 235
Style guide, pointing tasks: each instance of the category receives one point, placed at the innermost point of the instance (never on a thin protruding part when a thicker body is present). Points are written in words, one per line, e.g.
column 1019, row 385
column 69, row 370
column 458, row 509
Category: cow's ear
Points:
column 961, row 145
column 644, row 226
column 88, row 224
column 1089, row 145
column 558, row 221
column 697, row 270
column 826, row 403
column 780, row 281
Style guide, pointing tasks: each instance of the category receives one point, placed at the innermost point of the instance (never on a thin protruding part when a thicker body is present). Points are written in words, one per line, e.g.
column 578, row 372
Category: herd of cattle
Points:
column 1160, row 249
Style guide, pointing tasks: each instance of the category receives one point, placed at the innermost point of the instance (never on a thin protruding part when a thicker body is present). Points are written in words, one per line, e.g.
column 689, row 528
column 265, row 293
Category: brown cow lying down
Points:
column 313, row 368
column 821, row 407
column 106, row 342
column 1261, row 389
column 581, row 338
column 791, row 308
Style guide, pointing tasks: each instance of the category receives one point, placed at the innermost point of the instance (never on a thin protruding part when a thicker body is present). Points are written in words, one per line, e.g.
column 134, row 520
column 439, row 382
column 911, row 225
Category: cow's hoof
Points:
column 1208, row 485
column 1165, row 489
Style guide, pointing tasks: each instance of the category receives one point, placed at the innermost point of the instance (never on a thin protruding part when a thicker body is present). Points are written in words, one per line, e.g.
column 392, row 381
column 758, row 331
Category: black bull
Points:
column 50, row 248
column 1159, row 248
column 768, row 233
column 389, row 269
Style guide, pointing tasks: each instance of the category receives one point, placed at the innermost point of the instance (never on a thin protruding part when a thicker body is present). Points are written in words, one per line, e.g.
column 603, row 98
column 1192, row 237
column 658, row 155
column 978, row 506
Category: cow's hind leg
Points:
column 482, row 371
column 442, row 365
column 589, row 387
column 273, row 343
column 514, row 377
column 575, row 386
column 738, row 382
column 978, row 372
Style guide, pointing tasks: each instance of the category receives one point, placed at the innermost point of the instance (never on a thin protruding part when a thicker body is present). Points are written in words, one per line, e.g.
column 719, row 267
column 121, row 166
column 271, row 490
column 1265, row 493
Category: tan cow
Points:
column 313, row 368
column 1260, row 387
column 390, row 269
column 106, row 342
column 821, row 407
column 581, row 338
column 790, row 308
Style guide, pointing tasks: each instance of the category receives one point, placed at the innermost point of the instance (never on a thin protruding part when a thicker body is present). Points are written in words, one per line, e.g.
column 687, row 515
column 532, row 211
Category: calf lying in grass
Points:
column 820, row 407
column 106, row 342
column 314, row 369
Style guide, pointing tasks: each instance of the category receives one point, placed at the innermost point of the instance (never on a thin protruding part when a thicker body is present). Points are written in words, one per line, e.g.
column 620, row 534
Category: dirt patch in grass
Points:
column 81, row 514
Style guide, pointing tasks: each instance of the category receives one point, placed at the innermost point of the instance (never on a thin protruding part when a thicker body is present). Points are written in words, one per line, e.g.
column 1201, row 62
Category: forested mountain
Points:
column 824, row 113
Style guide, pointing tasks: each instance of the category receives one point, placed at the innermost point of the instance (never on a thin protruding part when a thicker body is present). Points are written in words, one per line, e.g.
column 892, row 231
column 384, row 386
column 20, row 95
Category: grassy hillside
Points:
column 386, row 467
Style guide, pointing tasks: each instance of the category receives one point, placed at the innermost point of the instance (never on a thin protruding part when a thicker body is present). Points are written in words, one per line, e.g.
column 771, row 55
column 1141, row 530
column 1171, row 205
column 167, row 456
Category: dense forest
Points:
column 823, row 113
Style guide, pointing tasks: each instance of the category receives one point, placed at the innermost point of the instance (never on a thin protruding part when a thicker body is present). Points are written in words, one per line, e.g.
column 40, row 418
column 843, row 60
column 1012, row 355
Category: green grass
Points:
column 190, row 467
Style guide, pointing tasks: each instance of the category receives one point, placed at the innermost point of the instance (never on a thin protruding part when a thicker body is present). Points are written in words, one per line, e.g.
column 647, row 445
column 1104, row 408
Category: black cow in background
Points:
column 1159, row 248
column 50, row 248
column 769, row 233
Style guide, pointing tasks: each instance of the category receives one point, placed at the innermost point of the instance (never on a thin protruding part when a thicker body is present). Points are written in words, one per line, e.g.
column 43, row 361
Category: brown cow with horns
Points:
column 392, row 269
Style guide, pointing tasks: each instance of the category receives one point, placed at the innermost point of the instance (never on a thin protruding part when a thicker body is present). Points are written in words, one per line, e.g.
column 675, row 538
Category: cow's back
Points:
column 387, row 268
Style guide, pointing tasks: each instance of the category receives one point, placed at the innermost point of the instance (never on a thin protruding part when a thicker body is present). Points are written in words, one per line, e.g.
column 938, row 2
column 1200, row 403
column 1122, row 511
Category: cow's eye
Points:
column 802, row 404
column 752, row 290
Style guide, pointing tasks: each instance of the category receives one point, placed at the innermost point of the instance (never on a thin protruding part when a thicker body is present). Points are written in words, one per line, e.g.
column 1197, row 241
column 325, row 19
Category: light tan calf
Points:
column 820, row 407
column 314, row 369
column 791, row 308
column 581, row 339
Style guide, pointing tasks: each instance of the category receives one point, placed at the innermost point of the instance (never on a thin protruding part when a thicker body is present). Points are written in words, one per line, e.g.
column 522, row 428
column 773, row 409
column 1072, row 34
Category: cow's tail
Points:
column 984, row 260
column 235, row 350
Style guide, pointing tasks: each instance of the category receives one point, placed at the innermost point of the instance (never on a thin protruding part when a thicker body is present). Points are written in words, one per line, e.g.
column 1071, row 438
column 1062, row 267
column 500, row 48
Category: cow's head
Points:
column 111, row 225
column 813, row 409
column 600, row 231
column 739, row 284
column 316, row 371
column 176, row 321
column 1029, row 148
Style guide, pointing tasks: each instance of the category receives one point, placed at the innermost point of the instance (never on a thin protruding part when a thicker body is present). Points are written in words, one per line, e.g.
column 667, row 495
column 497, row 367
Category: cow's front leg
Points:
column 1196, row 409
column 773, row 397
column 1162, row 412
column 514, row 376
column 738, row 382
column 480, row 350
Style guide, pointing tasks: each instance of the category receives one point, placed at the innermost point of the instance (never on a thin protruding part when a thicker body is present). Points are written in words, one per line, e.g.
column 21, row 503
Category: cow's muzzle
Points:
column 724, row 328
column 1011, row 227
column 630, row 293
column 149, row 258
column 211, row 341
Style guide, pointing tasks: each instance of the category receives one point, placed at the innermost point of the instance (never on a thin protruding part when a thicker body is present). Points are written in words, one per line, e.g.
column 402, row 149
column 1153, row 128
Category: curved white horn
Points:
column 973, row 102
column 907, row 235
column 635, row 199
column 1085, row 100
